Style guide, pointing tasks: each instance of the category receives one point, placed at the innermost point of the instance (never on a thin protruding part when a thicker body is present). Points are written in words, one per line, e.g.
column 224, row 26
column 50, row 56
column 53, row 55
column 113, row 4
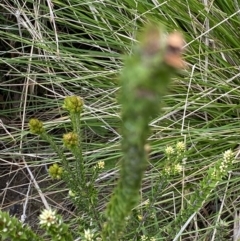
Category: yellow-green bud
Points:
column 70, row 139
column 55, row 171
column 71, row 193
column 36, row 126
column 73, row 104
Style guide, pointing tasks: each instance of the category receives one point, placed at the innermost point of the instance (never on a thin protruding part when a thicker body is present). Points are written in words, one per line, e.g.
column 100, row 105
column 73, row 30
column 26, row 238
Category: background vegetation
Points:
column 53, row 49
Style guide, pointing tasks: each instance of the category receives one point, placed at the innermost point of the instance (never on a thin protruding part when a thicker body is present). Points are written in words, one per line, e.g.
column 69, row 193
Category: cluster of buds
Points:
column 88, row 235
column 223, row 166
column 55, row 171
column 145, row 238
column 73, row 104
column 100, row 165
column 12, row 228
column 214, row 175
column 180, row 147
column 169, row 151
column 36, row 126
column 228, row 158
column 172, row 169
column 174, row 156
column 70, row 140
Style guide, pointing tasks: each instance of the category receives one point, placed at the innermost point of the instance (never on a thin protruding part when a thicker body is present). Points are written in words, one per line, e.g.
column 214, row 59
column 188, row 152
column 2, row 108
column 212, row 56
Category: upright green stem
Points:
column 145, row 79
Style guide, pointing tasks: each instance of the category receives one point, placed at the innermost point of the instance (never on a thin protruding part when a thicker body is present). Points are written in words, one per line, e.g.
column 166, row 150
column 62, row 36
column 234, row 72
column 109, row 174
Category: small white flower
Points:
column 167, row 170
column 222, row 167
column 152, row 216
column 152, row 239
column 180, row 146
column 88, row 234
column 228, row 155
column 178, row 168
column 169, row 150
column 100, row 164
column 143, row 238
column 48, row 217
column 214, row 173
